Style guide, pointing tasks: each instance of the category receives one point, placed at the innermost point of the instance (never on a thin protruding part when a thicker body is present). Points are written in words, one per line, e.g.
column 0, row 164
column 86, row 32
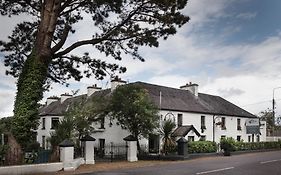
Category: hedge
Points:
column 202, row 147
column 240, row 146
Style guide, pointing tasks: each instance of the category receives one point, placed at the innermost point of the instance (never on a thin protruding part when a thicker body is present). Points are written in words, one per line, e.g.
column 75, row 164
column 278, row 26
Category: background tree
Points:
column 166, row 131
column 267, row 115
column 5, row 124
column 38, row 51
column 78, row 119
column 131, row 107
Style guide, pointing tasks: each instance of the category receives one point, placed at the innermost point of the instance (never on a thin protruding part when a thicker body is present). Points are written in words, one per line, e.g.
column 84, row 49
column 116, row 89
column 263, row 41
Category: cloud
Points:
column 230, row 92
column 247, row 15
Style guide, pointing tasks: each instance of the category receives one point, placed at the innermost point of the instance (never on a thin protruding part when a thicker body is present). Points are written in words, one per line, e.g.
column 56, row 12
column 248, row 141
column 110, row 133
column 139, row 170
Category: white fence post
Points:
column 89, row 151
column 131, row 148
column 67, row 154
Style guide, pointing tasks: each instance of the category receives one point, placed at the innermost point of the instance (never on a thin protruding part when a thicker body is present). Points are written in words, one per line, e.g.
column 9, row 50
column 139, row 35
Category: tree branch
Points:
column 104, row 37
column 78, row 44
column 63, row 39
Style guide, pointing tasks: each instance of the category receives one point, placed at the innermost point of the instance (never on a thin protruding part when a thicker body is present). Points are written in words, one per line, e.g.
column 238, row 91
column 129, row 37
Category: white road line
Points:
column 269, row 161
column 212, row 171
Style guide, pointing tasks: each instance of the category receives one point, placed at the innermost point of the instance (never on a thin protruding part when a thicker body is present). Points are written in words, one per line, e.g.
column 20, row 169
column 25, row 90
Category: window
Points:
column 179, row 119
column 239, row 124
column 223, row 127
column 223, row 137
column 203, row 122
column 102, row 123
column 249, row 138
column 43, row 142
column 258, row 138
column 55, row 122
column 238, row 138
column 43, row 123
column 203, row 138
column 190, row 138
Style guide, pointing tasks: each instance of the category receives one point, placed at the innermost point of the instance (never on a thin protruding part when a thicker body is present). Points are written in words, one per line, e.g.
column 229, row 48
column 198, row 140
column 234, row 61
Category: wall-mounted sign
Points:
column 253, row 126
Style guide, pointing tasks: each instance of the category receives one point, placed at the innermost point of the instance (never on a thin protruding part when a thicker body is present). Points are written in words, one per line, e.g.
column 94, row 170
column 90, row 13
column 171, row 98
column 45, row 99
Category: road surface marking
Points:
column 212, row 171
column 269, row 161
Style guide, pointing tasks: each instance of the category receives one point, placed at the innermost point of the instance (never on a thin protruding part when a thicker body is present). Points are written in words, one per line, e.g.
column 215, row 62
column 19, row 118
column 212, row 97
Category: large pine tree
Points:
column 37, row 53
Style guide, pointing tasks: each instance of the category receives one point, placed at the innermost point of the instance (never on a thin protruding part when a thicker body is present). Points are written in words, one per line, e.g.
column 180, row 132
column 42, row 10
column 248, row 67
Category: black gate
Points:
column 111, row 152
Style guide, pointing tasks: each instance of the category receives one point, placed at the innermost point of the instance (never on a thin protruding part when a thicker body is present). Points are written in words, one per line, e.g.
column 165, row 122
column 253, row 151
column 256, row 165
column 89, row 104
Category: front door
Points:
column 101, row 147
column 153, row 143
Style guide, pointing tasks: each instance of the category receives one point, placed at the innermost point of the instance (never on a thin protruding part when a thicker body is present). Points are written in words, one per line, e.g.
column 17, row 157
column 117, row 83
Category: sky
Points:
column 230, row 48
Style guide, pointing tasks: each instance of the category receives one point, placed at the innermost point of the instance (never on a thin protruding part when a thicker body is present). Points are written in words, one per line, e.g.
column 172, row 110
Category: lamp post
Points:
column 214, row 122
column 273, row 105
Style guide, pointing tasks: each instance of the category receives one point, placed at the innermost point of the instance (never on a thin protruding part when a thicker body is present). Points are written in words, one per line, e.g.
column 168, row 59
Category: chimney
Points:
column 116, row 82
column 65, row 96
column 92, row 89
column 51, row 100
column 191, row 87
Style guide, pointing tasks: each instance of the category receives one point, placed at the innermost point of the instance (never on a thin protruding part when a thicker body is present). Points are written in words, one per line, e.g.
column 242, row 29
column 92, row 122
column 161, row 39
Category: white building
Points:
column 197, row 116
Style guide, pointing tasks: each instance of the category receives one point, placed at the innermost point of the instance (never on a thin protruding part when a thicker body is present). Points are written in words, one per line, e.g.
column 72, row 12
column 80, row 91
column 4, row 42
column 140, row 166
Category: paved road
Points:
column 266, row 163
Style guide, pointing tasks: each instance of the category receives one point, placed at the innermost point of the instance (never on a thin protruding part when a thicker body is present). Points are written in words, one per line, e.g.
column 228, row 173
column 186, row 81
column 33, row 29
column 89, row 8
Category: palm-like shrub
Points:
column 166, row 130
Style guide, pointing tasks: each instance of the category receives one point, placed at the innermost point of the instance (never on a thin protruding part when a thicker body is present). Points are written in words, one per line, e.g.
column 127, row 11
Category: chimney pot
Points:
column 64, row 97
column 115, row 82
column 191, row 87
column 92, row 89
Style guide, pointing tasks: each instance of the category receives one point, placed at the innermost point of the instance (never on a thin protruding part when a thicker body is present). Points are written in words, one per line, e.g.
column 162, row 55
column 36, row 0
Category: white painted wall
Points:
column 46, row 132
column 112, row 133
column 31, row 169
column 230, row 122
column 116, row 134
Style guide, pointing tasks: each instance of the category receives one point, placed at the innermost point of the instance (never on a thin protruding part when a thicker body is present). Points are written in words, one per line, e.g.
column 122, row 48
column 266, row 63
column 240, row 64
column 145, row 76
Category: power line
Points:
column 260, row 102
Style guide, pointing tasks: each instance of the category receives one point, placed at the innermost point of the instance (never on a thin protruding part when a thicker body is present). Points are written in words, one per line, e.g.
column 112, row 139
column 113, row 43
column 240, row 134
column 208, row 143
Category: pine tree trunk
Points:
column 29, row 93
column 30, row 86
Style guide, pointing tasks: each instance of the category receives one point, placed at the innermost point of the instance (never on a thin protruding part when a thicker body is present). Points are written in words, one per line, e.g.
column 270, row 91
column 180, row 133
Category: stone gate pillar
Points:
column 182, row 146
column 67, row 154
column 131, row 148
column 89, row 150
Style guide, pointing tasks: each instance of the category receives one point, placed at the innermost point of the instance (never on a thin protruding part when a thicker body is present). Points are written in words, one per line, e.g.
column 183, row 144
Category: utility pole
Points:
column 273, row 106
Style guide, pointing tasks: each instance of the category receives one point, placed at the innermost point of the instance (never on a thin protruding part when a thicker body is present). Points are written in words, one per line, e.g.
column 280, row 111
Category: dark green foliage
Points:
column 36, row 52
column 131, row 107
column 5, row 124
column 77, row 121
column 3, row 151
column 202, row 147
column 242, row 146
column 165, row 131
column 121, row 27
column 26, row 105
column 227, row 145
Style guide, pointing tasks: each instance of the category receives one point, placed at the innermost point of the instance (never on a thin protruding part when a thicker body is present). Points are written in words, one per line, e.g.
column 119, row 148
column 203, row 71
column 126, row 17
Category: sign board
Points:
column 253, row 126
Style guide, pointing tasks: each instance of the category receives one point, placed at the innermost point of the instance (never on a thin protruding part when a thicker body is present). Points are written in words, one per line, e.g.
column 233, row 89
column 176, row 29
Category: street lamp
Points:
column 214, row 123
column 273, row 105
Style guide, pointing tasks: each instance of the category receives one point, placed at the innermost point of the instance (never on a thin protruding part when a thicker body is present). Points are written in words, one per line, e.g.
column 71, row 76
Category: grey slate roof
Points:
column 172, row 99
column 182, row 100
column 182, row 131
column 57, row 108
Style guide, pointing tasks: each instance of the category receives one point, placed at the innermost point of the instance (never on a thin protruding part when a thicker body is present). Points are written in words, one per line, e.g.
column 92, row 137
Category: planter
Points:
column 226, row 152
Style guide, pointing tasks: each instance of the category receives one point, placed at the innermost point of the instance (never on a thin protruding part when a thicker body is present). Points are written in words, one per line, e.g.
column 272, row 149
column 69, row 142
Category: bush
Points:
column 241, row 146
column 228, row 145
column 202, row 147
column 3, row 150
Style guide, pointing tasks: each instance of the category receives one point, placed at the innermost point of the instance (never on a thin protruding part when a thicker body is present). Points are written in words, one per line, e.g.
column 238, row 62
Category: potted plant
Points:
column 227, row 145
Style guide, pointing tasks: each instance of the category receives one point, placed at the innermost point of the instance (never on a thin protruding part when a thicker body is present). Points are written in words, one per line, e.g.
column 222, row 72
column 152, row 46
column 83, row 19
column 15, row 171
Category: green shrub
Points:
column 202, row 147
column 3, row 151
column 228, row 144
column 241, row 146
